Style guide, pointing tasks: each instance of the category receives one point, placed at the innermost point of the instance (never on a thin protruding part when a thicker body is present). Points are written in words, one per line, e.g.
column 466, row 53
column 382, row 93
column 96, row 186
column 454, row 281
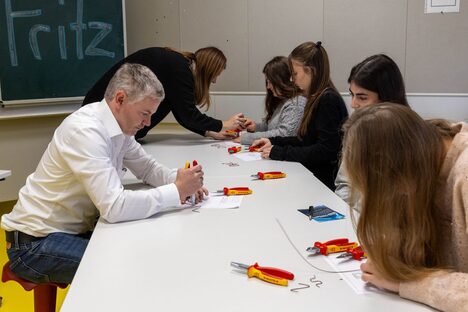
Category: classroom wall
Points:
column 430, row 50
column 22, row 143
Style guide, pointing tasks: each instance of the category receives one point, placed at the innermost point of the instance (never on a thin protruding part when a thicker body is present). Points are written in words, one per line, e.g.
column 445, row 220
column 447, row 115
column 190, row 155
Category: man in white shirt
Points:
column 79, row 179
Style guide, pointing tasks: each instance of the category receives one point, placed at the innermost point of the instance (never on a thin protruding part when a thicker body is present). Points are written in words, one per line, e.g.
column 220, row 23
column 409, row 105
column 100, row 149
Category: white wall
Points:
column 23, row 140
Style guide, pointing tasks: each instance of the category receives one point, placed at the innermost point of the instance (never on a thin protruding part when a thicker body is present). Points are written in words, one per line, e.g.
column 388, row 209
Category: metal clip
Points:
column 298, row 288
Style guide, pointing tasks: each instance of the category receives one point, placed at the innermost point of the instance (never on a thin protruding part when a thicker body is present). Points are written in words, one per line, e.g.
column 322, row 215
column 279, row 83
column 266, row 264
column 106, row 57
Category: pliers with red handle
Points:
column 269, row 175
column 355, row 253
column 267, row 274
column 228, row 191
column 333, row 246
column 234, row 149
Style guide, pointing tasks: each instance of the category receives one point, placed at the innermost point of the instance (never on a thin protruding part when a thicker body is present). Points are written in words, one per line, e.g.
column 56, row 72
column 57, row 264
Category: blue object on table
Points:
column 321, row 213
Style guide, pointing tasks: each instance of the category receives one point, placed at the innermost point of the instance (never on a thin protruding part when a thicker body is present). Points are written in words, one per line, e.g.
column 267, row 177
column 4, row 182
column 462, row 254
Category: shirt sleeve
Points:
column 328, row 120
column 181, row 91
column 89, row 156
column 289, row 120
column 445, row 291
column 342, row 184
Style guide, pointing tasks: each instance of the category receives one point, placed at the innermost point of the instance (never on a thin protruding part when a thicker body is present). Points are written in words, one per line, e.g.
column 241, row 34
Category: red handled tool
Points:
column 254, row 149
column 269, row 175
column 234, row 133
column 268, row 274
column 333, row 246
column 187, row 164
column 191, row 198
column 228, row 191
column 355, row 253
column 234, row 149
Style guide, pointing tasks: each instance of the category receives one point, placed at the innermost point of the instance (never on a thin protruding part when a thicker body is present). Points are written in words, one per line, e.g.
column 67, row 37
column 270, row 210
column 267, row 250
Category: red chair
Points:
column 45, row 294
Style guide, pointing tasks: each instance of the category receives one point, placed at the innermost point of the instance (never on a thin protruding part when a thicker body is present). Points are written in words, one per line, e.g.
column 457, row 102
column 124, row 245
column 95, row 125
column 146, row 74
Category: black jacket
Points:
column 318, row 150
column 173, row 70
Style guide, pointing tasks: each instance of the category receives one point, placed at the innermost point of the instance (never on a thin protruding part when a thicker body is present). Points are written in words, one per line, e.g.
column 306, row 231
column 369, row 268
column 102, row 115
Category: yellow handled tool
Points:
column 268, row 274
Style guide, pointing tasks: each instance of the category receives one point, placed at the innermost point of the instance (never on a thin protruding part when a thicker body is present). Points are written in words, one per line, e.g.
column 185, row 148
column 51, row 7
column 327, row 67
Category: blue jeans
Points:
column 55, row 258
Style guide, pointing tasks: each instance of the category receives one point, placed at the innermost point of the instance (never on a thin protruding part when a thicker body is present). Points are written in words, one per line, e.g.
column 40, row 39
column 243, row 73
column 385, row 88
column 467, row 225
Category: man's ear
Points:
column 119, row 98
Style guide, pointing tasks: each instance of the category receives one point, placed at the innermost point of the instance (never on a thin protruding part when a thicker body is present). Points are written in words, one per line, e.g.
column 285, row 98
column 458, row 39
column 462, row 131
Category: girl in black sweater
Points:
column 186, row 78
column 319, row 137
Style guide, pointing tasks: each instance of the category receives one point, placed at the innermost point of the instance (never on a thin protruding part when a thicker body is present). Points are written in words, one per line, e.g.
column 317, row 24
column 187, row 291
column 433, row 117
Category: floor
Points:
column 14, row 297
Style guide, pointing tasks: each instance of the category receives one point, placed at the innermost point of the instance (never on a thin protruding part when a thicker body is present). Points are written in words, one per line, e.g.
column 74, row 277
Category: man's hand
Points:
column 189, row 181
column 200, row 194
column 371, row 275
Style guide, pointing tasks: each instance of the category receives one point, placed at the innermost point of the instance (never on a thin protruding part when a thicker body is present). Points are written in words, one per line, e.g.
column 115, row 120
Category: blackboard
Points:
column 57, row 48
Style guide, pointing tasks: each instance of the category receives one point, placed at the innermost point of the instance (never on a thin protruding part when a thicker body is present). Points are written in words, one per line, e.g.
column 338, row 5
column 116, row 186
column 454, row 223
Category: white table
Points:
column 4, row 174
column 180, row 261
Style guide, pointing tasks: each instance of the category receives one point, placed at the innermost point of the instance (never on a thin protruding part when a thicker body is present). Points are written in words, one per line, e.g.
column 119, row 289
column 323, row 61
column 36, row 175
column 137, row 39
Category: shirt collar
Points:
column 108, row 119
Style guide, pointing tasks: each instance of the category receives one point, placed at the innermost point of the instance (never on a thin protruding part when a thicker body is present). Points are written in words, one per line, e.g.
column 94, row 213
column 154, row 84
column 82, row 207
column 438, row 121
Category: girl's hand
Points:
column 235, row 122
column 219, row 135
column 371, row 275
column 261, row 143
column 250, row 125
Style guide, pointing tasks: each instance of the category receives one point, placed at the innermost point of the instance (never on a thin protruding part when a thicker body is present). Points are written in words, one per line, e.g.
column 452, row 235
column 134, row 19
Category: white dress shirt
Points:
column 79, row 179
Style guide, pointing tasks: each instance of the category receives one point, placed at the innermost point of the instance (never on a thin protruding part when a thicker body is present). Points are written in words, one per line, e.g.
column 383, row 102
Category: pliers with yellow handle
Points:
column 333, row 246
column 268, row 274
column 228, row 191
column 269, row 175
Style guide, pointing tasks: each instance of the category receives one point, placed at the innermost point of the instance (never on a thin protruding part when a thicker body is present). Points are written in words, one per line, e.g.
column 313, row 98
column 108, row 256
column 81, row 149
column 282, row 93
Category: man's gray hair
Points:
column 137, row 81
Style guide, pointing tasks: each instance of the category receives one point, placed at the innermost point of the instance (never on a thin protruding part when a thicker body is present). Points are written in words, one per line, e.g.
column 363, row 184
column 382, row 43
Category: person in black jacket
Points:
column 319, row 137
column 186, row 78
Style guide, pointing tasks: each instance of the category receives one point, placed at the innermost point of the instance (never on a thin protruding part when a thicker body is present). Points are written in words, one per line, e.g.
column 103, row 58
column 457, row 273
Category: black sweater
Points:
column 318, row 150
column 173, row 70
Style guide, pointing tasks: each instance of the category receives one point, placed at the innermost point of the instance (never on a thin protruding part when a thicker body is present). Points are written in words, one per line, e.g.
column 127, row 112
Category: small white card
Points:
column 217, row 201
column 249, row 156
column 352, row 278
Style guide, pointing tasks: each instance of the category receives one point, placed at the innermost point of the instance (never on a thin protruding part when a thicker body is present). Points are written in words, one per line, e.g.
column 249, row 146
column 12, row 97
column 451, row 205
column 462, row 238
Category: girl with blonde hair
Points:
column 412, row 179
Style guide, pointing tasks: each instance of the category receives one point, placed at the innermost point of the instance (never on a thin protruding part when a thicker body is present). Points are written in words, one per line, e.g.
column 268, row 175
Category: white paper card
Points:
column 249, row 156
column 353, row 279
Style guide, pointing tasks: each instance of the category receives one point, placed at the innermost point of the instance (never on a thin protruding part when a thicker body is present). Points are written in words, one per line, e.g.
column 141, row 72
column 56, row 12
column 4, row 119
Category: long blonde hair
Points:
column 314, row 57
column 393, row 158
column 208, row 64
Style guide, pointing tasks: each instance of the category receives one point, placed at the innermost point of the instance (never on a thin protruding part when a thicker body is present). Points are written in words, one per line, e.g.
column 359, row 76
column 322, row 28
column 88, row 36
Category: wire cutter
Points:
column 187, row 164
column 254, row 149
column 268, row 274
column 233, row 132
column 191, row 198
column 354, row 253
column 333, row 246
column 228, row 191
column 234, row 149
column 269, row 175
